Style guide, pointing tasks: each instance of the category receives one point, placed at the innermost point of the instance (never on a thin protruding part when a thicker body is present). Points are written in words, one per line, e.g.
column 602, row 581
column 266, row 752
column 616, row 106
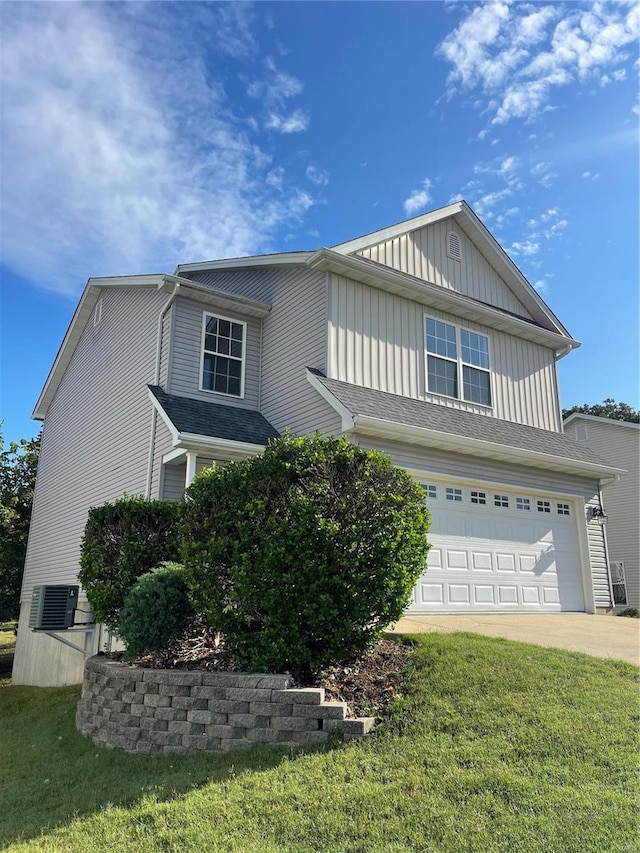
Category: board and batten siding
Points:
column 185, row 376
column 294, row 337
column 423, row 253
column 377, row 339
column 619, row 444
column 95, row 447
column 423, row 461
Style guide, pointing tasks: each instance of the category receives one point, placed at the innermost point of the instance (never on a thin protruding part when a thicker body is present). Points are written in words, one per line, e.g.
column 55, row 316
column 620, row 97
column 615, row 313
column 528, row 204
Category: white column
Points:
column 191, row 468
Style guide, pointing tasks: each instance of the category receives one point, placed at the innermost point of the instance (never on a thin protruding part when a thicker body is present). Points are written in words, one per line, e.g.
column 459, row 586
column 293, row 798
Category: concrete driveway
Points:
column 602, row 636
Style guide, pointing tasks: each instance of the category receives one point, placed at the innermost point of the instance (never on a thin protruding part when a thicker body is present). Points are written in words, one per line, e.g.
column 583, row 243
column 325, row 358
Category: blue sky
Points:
column 136, row 136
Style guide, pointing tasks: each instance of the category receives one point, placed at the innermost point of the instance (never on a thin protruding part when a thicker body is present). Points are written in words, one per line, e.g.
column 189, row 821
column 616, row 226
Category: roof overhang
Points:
column 279, row 259
column 575, row 416
column 408, row 434
column 434, row 296
column 486, row 244
column 203, row 445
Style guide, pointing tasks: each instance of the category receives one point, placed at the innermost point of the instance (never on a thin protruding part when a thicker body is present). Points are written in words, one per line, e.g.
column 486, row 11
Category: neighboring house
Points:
column 422, row 339
column 619, row 443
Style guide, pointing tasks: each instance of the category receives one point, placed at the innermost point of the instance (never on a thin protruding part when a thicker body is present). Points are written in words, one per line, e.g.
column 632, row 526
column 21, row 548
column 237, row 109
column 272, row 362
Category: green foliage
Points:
column 631, row 612
column 18, row 466
column 123, row 540
column 304, row 554
column 156, row 612
column 607, row 409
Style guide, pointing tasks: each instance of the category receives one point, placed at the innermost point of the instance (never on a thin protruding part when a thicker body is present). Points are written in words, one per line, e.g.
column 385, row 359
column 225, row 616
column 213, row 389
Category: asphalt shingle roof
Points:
column 418, row 413
column 214, row 419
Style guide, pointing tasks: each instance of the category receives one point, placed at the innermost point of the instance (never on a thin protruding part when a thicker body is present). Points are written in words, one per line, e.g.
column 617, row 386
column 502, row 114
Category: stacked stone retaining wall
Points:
column 180, row 711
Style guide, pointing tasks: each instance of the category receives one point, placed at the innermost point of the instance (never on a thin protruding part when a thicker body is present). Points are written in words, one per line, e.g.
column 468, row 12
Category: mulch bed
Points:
column 367, row 684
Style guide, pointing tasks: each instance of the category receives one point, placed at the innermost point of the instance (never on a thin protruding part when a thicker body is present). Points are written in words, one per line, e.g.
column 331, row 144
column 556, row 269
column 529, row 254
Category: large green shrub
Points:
column 156, row 612
column 305, row 553
column 123, row 540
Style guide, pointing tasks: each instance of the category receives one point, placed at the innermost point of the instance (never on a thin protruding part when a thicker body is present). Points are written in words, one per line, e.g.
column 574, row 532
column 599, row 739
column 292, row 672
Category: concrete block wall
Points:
column 180, row 711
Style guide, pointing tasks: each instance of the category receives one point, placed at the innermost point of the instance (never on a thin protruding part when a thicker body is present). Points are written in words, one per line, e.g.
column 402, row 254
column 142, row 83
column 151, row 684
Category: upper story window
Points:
column 223, row 355
column 457, row 362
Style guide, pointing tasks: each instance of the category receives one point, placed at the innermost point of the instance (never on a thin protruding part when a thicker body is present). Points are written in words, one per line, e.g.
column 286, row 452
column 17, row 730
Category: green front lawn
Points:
column 493, row 746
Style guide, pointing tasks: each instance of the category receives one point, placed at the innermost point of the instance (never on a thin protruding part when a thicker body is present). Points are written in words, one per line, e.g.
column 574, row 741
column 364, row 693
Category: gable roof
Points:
column 485, row 242
column 416, row 421
column 574, row 416
column 190, row 417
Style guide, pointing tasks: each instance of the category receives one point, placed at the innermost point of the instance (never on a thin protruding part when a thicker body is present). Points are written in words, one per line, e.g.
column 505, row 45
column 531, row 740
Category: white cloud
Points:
column 526, row 248
column 544, row 174
column 515, row 59
column 419, row 198
column 317, row 176
column 484, row 205
column 295, row 122
column 591, row 177
column 541, row 286
column 128, row 145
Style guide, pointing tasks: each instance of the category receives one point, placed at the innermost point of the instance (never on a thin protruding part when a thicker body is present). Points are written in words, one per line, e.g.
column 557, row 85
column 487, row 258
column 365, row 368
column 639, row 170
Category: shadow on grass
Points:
column 50, row 774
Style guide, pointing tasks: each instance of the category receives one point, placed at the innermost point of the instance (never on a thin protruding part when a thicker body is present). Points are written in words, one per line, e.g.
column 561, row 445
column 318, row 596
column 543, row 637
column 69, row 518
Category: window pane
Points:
column 236, row 348
column 236, row 331
column 442, row 376
column 441, row 338
column 234, row 386
column 212, row 325
column 220, row 384
column 224, row 328
column 234, row 368
column 476, row 385
column 223, row 346
column 475, row 348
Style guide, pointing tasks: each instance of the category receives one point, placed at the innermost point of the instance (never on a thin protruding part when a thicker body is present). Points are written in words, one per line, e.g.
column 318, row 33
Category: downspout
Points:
column 604, row 536
column 156, row 381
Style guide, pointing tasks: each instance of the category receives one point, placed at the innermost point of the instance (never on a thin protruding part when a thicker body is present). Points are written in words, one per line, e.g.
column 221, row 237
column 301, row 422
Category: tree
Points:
column 607, row 409
column 18, row 466
column 304, row 554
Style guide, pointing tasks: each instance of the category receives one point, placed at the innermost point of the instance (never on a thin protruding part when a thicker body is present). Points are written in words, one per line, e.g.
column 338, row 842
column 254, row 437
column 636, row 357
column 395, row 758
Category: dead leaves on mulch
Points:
column 367, row 684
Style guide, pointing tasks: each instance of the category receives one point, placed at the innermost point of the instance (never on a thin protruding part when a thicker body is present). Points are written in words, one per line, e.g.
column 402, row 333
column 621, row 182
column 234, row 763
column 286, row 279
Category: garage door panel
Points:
column 492, row 557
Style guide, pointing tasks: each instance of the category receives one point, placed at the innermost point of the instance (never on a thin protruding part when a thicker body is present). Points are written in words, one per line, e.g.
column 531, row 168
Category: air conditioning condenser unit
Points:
column 53, row 607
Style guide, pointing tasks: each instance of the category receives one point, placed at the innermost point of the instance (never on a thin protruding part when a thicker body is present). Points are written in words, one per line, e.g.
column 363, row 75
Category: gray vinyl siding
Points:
column 186, row 356
column 423, row 253
column 377, row 339
column 95, row 445
column 165, row 349
column 438, row 462
column 294, row 338
column 619, row 444
column 173, row 480
column 162, row 444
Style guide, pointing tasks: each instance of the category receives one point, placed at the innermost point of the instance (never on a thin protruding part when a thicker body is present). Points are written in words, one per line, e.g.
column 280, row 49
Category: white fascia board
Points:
column 579, row 416
column 216, row 298
column 224, row 447
column 282, row 259
column 488, row 449
column 434, row 296
column 165, row 417
column 396, row 230
column 173, row 455
column 345, row 415
column 513, row 275
column 88, row 300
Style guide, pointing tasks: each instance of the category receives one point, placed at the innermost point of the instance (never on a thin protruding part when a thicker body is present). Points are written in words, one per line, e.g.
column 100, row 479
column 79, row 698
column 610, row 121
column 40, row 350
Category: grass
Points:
column 493, row 746
column 7, row 648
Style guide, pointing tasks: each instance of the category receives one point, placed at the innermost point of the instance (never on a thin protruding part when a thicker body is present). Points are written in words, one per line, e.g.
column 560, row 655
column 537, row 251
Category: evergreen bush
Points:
column 123, row 540
column 304, row 554
column 156, row 612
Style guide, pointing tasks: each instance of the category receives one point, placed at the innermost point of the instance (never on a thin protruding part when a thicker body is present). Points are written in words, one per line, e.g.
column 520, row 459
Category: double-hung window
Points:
column 457, row 362
column 223, row 355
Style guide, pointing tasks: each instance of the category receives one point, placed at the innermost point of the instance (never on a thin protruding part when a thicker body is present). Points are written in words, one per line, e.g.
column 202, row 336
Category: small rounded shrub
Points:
column 304, row 554
column 123, row 540
column 156, row 612
column 631, row 612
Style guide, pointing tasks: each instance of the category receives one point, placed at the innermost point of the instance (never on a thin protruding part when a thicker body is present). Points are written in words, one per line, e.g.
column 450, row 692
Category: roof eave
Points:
column 282, row 259
column 594, row 418
column 479, row 447
column 432, row 295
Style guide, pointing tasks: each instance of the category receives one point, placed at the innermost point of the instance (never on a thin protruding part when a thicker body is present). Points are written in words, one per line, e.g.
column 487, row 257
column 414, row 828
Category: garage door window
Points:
column 563, row 509
column 430, row 492
column 454, row 495
column 523, row 504
column 544, row 506
column 501, row 501
column 479, row 498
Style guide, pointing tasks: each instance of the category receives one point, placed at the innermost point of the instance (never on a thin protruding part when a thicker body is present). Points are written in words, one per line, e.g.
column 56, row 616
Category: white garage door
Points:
column 494, row 550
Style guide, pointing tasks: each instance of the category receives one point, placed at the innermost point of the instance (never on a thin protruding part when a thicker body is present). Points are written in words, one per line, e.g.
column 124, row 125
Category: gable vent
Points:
column 454, row 247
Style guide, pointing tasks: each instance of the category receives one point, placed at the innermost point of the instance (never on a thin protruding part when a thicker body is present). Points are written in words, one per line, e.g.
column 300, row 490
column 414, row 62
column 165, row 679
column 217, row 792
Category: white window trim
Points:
column 459, row 361
column 206, row 315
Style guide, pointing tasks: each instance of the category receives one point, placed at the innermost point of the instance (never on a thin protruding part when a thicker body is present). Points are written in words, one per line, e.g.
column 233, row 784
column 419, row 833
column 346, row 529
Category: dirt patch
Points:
column 367, row 683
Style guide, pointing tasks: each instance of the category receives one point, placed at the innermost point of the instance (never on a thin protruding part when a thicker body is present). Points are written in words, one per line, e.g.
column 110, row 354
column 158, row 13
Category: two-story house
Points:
column 423, row 340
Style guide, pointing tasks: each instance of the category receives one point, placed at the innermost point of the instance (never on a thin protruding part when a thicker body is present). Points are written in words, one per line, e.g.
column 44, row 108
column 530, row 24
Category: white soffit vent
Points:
column 454, row 247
